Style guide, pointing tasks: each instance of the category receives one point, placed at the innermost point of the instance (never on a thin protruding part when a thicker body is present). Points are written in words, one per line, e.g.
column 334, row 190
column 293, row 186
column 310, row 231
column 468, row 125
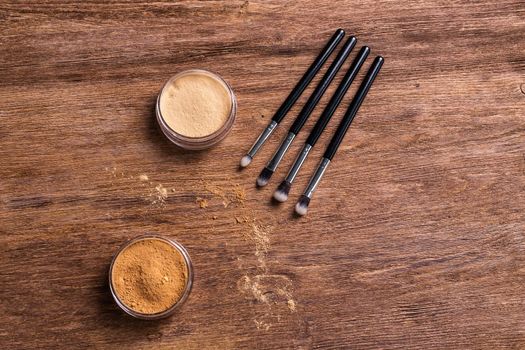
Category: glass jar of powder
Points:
column 150, row 277
column 196, row 109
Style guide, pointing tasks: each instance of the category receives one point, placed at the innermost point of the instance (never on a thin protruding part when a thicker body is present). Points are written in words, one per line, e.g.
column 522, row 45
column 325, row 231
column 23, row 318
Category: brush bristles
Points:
column 301, row 208
column 245, row 161
column 264, row 177
column 281, row 193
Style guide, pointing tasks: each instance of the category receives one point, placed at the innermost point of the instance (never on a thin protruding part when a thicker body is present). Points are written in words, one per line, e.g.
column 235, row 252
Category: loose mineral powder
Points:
column 150, row 275
column 196, row 109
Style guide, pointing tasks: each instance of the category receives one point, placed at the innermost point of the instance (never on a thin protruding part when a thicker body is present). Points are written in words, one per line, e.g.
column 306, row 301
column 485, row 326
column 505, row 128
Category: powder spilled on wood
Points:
column 241, row 220
column 291, row 304
column 203, row 203
column 261, row 325
column 273, row 292
column 114, row 172
column 240, row 194
column 260, row 235
column 232, row 194
column 269, row 289
column 158, row 196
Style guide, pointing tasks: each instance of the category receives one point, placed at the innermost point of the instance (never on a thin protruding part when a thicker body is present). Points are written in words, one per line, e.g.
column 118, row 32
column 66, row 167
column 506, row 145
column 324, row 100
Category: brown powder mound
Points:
column 149, row 276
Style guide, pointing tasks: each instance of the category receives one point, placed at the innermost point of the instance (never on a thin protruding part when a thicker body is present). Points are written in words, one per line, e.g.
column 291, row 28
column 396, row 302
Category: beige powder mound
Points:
column 195, row 105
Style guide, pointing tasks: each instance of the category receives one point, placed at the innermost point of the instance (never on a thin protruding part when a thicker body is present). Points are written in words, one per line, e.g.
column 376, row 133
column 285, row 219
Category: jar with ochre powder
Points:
column 150, row 277
column 196, row 109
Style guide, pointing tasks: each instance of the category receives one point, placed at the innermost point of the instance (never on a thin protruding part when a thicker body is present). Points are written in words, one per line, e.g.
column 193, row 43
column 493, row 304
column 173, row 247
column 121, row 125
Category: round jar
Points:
column 150, row 277
column 196, row 109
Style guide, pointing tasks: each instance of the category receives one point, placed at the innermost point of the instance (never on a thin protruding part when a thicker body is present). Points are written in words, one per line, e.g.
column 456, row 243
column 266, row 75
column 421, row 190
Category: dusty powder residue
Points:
column 273, row 292
column 260, row 235
column 203, row 203
column 195, row 105
column 232, row 194
column 114, row 172
column 269, row 289
column 217, row 191
column 262, row 325
column 149, row 276
column 240, row 193
column 291, row 304
column 158, row 196
column 155, row 195
column 241, row 220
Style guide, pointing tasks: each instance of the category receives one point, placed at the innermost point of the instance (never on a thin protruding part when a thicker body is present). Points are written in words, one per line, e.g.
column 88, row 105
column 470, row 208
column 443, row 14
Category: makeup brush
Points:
column 305, row 112
column 302, row 205
column 294, row 95
column 281, row 194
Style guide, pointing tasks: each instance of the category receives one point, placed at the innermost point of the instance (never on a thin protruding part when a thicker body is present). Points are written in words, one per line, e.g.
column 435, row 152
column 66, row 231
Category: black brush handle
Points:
column 309, row 75
column 354, row 107
column 336, row 99
column 323, row 85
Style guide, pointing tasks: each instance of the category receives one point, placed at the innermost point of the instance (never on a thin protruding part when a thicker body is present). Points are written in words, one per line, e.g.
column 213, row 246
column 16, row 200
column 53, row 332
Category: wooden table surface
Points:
column 414, row 240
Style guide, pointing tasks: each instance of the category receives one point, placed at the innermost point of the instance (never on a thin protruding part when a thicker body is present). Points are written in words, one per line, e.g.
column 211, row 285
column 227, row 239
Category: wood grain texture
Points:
column 415, row 238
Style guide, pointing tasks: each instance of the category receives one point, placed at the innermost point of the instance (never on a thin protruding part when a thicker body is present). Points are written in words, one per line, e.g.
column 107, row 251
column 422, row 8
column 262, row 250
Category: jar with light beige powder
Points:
column 196, row 109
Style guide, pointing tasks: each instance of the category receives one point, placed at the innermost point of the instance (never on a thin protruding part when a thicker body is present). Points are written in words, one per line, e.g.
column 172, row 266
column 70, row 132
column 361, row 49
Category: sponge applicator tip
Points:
column 245, row 161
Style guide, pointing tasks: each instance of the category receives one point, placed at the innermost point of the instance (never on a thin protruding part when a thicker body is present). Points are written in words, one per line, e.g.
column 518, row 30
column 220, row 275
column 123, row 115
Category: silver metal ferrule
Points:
column 298, row 163
column 281, row 151
column 262, row 138
column 314, row 181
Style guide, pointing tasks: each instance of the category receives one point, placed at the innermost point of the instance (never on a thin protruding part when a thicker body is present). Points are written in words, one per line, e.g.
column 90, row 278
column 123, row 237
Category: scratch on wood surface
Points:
column 373, row 273
column 28, row 202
